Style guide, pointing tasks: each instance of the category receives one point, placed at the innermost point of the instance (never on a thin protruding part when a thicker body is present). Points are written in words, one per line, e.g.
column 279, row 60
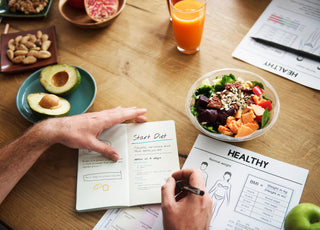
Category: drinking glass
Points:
column 168, row 4
column 188, row 18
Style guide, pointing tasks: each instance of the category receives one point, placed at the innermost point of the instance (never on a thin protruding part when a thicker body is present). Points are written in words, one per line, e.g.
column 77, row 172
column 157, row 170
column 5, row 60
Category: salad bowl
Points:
column 268, row 91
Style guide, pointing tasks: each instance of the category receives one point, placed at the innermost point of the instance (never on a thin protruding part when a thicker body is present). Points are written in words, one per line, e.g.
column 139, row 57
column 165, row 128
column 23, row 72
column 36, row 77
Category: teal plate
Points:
column 5, row 12
column 80, row 100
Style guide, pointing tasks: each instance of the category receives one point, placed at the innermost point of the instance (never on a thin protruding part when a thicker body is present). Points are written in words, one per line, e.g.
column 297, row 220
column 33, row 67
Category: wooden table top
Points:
column 135, row 63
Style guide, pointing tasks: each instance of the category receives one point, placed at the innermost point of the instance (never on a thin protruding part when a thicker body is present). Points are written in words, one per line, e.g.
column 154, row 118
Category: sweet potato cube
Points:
column 225, row 130
column 229, row 119
column 252, row 125
column 247, row 117
column 244, row 131
column 233, row 125
column 238, row 114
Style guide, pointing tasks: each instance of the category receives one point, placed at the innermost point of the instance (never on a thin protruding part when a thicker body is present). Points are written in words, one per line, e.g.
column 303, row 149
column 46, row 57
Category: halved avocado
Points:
column 60, row 79
column 45, row 105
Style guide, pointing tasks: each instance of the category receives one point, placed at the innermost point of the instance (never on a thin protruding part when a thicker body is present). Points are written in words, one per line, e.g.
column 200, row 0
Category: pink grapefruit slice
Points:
column 101, row 10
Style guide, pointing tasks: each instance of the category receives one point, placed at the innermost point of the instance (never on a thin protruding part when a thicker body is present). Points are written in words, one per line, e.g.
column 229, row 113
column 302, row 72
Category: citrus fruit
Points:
column 101, row 10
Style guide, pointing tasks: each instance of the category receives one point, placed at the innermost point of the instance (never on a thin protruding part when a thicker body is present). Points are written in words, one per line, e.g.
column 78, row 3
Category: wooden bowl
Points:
column 80, row 18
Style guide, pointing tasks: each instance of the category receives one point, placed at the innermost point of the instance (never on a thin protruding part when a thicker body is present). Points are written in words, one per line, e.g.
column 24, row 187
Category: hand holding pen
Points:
column 193, row 209
column 188, row 188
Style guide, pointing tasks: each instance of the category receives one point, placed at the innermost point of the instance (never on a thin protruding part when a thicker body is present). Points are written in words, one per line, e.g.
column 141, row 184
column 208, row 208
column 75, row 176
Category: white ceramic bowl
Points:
column 244, row 75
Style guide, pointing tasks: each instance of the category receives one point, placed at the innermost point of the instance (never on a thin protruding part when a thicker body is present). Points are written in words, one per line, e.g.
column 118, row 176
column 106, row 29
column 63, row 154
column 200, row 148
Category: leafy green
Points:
column 258, row 84
column 265, row 117
column 229, row 79
column 194, row 111
column 209, row 128
column 225, row 79
column 205, row 90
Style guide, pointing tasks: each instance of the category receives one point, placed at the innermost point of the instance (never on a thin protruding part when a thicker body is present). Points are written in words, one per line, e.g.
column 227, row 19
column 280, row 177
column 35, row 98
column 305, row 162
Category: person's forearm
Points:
column 79, row 131
column 17, row 157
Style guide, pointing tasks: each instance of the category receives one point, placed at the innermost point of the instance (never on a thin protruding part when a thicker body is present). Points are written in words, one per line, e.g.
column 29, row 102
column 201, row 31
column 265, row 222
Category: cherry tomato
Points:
column 257, row 90
column 266, row 104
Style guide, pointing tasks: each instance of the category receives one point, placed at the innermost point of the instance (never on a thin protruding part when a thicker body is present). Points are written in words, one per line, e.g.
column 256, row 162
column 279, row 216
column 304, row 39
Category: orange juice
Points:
column 173, row 2
column 188, row 20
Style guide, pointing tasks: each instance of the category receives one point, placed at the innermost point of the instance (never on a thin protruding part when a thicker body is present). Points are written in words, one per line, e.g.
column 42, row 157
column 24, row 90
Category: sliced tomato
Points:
column 262, row 102
column 266, row 104
column 257, row 90
column 258, row 118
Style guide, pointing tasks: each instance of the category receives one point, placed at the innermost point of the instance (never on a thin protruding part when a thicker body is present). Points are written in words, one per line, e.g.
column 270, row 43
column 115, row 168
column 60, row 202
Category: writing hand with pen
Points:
column 184, row 206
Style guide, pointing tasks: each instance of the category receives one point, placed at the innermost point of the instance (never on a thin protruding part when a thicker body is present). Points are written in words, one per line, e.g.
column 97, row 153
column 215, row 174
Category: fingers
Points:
column 168, row 192
column 141, row 119
column 132, row 114
column 104, row 149
column 192, row 176
column 119, row 115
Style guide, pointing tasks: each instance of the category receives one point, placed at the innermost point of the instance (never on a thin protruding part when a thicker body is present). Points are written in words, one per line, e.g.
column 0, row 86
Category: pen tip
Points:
column 201, row 193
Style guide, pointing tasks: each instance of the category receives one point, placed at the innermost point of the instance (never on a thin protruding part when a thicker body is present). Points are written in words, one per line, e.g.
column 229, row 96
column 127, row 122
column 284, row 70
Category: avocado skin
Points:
column 60, row 67
column 43, row 114
column 74, row 88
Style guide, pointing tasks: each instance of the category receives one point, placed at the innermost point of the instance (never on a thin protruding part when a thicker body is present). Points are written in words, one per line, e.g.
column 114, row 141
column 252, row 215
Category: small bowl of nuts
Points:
column 28, row 50
column 25, row 9
column 232, row 105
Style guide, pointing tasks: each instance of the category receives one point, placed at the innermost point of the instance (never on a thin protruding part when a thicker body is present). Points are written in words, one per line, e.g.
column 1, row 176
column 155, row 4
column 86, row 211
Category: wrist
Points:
column 47, row 131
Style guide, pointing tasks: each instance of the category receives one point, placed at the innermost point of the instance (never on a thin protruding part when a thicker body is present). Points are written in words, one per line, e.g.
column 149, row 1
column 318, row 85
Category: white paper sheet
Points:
column 148, row 155
column 250, row 191
column 295, row 23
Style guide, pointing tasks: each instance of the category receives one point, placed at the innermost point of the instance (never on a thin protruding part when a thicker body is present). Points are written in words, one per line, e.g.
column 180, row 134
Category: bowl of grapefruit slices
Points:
column 91, row 13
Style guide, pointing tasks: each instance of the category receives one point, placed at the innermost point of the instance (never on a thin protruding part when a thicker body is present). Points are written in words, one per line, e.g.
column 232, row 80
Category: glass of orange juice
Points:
column 173, row 2
column 187, row 20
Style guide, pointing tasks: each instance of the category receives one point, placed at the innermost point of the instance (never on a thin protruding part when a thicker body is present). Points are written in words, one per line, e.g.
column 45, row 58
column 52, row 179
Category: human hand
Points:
column 81, row 131
column 191, row 211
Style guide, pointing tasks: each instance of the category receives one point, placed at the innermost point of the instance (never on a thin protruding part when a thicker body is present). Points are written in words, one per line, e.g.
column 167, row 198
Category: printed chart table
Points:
column 264, row 201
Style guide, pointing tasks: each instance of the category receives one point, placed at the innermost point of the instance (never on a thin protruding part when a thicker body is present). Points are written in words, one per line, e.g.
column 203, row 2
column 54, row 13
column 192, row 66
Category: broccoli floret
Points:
column 219, row 87
column 205, row 90
column 225, row 79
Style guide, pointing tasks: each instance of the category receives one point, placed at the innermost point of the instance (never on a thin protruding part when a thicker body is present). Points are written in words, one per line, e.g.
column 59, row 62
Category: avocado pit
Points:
column 60, row 79
column 49, row 101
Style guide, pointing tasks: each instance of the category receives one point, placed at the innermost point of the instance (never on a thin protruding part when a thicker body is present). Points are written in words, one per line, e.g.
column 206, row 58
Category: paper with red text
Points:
column 293, row 23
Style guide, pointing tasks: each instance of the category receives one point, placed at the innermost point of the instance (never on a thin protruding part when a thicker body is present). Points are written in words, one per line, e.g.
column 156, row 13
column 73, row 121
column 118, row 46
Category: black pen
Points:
column 189, row 188
column 287, row 48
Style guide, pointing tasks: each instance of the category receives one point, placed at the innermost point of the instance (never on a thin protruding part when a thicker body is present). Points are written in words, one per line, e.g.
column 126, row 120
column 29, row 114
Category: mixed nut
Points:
column 29, row 48
column 27, row 6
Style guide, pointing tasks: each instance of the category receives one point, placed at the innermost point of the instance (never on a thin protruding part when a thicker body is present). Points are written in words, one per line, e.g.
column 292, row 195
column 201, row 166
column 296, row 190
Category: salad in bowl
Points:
column 232, row 105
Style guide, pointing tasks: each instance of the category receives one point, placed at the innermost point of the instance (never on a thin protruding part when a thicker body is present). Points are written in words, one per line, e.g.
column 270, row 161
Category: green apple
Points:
column 305, row 216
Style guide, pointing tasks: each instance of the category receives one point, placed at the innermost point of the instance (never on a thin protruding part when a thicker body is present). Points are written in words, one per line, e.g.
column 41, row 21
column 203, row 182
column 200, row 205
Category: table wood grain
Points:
column 135, row 63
